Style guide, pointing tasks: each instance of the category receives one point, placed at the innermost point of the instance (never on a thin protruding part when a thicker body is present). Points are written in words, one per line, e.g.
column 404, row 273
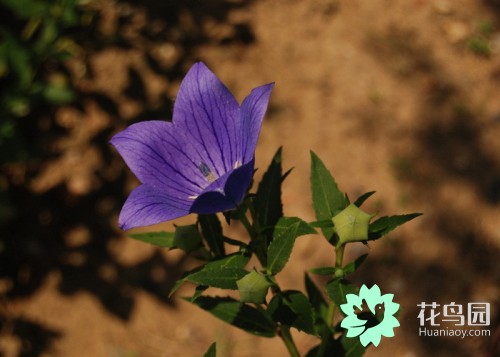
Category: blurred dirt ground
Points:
column 400, row 97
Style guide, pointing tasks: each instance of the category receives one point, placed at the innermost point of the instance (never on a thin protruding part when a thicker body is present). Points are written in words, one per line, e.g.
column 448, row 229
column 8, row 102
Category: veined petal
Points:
column 253, row 109
column 209, row 113
column 147, row 205
column 225, row 193
column 202, row 161
column 238, row 182
column 159, row 157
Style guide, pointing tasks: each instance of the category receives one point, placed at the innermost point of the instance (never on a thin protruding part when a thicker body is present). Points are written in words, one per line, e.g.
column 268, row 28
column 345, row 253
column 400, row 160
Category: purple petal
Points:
column 210, row 115
column 215, row 199
column 253, row 109
column 238, row 182
column 212, row 202
column 146, row 206
column 201, row 162
column 160, row 157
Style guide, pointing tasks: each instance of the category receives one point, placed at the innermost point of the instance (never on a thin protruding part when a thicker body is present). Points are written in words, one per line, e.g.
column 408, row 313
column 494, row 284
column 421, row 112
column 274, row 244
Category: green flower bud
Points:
column 351, row 224
column 253, row 288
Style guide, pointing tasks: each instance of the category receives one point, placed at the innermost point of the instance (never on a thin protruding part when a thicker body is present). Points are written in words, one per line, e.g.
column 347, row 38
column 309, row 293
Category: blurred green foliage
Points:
column 480, row 42
column 34, row 41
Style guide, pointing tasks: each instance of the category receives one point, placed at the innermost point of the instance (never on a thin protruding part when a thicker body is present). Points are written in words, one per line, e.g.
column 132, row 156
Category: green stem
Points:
column 259, row 245
column 248, row 226
column 326, row 333
column 340, row 256
column 286, row 336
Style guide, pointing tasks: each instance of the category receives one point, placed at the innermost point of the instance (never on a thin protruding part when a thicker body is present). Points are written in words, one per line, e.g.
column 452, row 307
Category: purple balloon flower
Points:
column 202, row 161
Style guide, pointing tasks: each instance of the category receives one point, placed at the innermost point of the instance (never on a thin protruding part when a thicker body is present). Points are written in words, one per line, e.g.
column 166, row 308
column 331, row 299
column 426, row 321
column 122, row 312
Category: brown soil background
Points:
column 387, row 93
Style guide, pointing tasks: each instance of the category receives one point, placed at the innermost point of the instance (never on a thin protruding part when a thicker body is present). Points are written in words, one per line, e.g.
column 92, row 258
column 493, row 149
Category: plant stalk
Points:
column 259, row 245
column 286, row 336
column 326, row 333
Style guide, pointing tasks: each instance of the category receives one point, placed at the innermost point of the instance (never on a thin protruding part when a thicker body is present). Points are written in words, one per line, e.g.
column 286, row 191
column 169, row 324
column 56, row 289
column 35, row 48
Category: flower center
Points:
column 206, row 172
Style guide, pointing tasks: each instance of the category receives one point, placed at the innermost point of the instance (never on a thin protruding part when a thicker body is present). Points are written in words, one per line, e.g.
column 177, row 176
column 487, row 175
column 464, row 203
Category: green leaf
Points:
column 46, row 37
column 212, row 231
column 315, row 296
column 237, row 213
column 343, row 347
column 384, row 225
column 17, row 105
column 337, row 289
column 314, row 352
column 28, row 8
column 318, row 303
column 198, row 291
column 218, row 278
column 253, row 288
column 187, row 238
column 292, row 308
column 58, row 94
column 326, row 196
column 19, row 60
column 222, row 273
column 240, row 315
column 267, row 201
column 353, row 266
column 236, row 243
column 322, row 224
column 350, row 347
column 285, row 232
column 212, row 351
column 160, row 239
column 361, row 199
column 351, row 224
column 323, row 270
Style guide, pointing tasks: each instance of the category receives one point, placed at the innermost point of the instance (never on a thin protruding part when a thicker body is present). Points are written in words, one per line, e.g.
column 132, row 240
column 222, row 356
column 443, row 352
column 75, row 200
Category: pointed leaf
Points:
column 225, row 278
column 326, row 196
column 198, row 291
column 351, row 347
column 353, row 266
column 212, row 351
column 337, row 289
column 240, row 315
column 322, row 224
column 292, row 308
column 160, row 239
column 212, row 232
column 285, row 232
column 236, row 243
column 187, row 238
column 236, row 213
column 267, row 201
column 318, row 303
column 177, row 285
column 323, row 271
column 343, row 346
column 361, row 199
column 384, row 225
column 315, row 296
column 222, row 273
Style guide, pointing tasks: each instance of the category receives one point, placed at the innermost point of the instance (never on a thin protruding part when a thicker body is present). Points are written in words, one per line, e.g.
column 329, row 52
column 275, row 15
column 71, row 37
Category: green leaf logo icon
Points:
column 369, row 315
